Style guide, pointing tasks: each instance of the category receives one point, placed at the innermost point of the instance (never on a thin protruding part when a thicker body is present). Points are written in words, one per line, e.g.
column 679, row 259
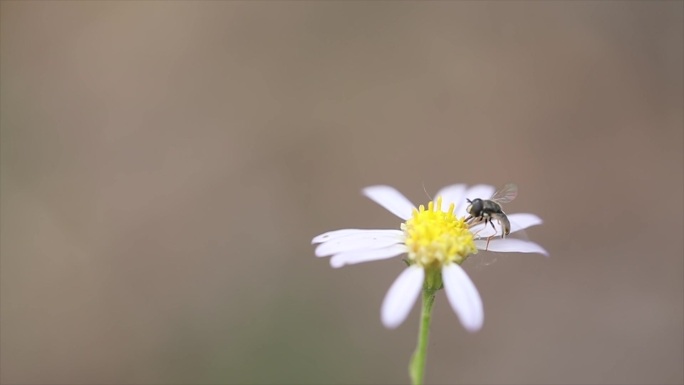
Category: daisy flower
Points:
column 435, row 239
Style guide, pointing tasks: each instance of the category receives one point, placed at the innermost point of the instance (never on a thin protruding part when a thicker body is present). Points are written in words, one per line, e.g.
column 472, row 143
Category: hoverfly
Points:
column 486, row 210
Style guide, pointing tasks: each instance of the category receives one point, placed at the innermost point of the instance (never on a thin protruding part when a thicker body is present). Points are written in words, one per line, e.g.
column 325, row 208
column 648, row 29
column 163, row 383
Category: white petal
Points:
column 373, row 239
column 353, row 257
column 463, row 297
column 335, row 234
column 391, row 199
column 330, row 235
column 511, row 245
column 482, row 191
column 521, row 221
column 451, row 194
column 401, row 296
column 518, row 222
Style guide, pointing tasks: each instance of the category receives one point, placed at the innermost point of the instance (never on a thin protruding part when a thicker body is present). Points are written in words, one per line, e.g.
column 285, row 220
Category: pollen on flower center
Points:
column 435, row 237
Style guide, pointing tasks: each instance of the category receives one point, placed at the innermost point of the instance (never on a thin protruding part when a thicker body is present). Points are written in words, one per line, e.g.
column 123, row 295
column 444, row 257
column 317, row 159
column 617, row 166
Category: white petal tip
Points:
column 391, row 199
column 371, row 191
column 390, row 324
column 401, row 297
column 463, row 297
column 319, row 239
column 336, row 263
column 318, row 253
column 330, row 235
column 324, row 237
column 365, row 190
column 473, row 328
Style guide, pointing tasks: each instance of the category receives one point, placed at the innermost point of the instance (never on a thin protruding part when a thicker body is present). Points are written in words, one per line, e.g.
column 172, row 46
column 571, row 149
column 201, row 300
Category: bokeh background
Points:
column 166, row 164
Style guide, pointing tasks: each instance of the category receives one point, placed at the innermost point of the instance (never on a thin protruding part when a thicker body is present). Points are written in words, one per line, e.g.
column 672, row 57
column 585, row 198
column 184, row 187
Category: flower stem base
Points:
column 418, row 360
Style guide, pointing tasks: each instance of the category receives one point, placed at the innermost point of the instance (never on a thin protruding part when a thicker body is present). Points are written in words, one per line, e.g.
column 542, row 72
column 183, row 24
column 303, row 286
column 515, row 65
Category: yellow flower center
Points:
column 435, row 237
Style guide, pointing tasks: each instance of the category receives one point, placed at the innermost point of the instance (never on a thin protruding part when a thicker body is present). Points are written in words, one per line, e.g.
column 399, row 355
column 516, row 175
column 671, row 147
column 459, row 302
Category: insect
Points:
column 486, row 210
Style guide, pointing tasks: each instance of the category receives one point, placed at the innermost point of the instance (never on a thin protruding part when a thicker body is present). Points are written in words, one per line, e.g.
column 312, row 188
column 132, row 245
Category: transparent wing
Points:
column 506, row 194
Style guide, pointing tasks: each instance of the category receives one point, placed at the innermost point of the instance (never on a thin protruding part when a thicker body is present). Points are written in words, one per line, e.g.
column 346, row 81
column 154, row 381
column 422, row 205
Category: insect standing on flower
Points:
column 486, row 210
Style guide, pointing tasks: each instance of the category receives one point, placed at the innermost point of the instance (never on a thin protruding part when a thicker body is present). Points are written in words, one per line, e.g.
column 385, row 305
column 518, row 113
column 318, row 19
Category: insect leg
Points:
column 489, row 238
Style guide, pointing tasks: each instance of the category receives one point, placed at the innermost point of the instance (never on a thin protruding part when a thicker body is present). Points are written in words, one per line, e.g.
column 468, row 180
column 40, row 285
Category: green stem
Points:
column 417, row 366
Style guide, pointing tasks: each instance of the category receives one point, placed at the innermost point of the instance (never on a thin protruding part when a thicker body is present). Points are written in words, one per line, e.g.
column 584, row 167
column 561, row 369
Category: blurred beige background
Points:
column 166, row 164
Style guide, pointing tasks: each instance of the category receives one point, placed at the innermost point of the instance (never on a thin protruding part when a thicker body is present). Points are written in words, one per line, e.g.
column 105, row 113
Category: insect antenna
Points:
column 426, row 193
